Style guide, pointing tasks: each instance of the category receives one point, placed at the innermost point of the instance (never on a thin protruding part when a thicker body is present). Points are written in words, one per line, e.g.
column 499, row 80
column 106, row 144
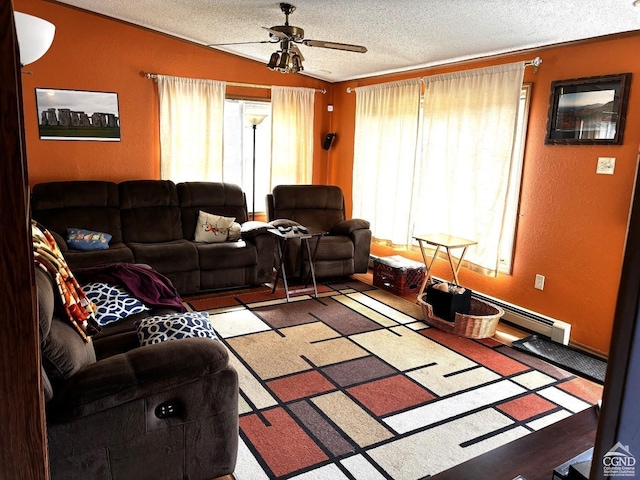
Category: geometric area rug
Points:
column 354, row 385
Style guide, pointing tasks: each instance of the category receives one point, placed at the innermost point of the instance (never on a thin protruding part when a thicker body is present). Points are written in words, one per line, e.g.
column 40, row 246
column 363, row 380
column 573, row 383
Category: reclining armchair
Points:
column 342, row 252
column 162, row 411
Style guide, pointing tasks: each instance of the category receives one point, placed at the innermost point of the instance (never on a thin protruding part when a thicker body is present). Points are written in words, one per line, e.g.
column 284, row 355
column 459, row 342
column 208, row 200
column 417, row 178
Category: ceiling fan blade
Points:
column 295, row 49
column 335, row 46
column 276, row 33
column 239, row 43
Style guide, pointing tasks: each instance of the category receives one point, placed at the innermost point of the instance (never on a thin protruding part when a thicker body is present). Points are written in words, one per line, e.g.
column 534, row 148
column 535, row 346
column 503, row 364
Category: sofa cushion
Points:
column 113, row 302
column 93, row 205
column 83, row 239
column 116, row 253
column 149, row 211
column 316, row 206
column 167, row 257
column 212, row 228
column 175, row 326
column 215, row 256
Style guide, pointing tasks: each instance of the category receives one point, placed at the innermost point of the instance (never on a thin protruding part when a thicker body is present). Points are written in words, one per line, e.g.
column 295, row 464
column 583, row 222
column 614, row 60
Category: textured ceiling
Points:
column 400, row 34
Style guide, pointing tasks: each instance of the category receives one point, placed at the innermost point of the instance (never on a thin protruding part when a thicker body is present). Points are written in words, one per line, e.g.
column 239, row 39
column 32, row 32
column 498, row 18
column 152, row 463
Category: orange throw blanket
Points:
column 79, row 309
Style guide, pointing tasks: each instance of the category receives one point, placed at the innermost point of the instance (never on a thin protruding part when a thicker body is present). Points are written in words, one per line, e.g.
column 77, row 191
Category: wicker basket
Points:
column 481, row 322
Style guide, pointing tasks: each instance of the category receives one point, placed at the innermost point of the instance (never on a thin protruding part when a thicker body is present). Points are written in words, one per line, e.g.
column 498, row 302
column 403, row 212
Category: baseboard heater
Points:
column 528, row 320
column 531, row 321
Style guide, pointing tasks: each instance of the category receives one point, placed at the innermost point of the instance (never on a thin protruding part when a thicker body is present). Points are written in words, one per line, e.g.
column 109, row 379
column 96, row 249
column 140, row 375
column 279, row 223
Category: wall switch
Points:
column 539, row 282
column 329, row 108
column 606, row 165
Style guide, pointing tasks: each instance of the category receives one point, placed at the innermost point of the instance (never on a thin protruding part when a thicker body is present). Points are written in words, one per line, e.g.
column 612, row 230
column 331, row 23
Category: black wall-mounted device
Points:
column 328, row 140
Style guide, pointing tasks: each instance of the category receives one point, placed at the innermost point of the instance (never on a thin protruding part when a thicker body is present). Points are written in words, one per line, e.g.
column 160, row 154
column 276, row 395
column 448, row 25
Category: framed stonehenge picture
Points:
column 77, row 115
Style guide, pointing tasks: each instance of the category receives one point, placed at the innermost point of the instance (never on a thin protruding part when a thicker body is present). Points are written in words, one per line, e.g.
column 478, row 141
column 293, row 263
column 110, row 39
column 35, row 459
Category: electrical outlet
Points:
column 539, row 282
column 606, row 165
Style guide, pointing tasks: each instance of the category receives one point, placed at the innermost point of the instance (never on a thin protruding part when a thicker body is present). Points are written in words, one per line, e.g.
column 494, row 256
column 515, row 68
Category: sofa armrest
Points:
column 347, row 227
column 253, row 228
column 283, row 222
column 136, row 374
column 361, row 249
column 60, row 241
column 255, row 233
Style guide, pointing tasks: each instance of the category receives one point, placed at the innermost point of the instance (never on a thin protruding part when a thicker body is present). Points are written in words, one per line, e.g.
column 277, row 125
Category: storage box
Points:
column 398, row 275
column 445, row 305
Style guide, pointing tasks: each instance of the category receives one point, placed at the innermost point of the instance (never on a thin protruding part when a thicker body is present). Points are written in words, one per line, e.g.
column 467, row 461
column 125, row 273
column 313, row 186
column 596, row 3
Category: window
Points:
column 467, row 166
column 238, row 149
column 513, row 193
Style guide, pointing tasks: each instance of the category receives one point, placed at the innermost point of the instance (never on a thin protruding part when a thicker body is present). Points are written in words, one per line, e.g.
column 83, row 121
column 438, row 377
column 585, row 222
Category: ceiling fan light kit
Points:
column 288, row 59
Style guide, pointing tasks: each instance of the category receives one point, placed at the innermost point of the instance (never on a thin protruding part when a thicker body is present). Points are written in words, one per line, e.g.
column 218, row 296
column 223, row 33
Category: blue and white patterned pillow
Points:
column 113, row 301
column 175, row 326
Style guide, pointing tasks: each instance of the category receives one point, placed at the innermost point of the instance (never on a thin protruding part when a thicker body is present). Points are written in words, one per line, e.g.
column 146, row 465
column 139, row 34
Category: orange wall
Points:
column 90, row 52
column 572, row 222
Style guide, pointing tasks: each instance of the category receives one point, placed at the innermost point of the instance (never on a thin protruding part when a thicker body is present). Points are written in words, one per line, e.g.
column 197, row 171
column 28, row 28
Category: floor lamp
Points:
column 254, row 119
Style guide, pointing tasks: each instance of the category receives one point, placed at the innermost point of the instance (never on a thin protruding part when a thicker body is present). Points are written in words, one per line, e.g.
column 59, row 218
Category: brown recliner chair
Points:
column 342, row 252
column 164, row 411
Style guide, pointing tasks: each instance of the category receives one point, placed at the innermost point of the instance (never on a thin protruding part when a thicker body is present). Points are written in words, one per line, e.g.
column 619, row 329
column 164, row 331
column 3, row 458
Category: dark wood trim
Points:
column 622, row 346
column 533, row 456
column 22, row 423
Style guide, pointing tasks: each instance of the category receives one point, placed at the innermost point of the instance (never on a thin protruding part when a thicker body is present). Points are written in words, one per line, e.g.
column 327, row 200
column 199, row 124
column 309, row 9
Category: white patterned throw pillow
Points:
column 175, row 326
column 113, row 301
column 212, row 228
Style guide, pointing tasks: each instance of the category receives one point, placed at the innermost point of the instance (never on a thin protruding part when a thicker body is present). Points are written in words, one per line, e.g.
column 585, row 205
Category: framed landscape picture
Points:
column 77, row 115
column 588, row 111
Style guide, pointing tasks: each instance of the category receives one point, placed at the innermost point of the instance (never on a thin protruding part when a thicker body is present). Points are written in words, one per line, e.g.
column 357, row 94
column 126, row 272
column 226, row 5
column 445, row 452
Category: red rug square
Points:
column 485, row 356
column 301, row 385
column 390, row 394
column 588, row 391
column 269, row 440
column 526, row 407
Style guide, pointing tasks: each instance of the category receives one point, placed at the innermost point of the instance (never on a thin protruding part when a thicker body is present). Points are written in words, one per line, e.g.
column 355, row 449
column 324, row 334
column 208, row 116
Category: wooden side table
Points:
column 447, row 242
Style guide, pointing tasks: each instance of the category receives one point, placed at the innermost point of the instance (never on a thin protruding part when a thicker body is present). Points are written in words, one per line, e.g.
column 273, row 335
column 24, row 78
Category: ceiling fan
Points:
column 288, row 59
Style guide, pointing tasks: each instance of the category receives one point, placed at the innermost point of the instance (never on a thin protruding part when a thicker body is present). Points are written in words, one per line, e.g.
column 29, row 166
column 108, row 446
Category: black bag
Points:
column 446, row 304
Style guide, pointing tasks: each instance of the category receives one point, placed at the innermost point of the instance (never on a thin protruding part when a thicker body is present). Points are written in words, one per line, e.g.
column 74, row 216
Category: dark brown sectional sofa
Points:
column 153, row 222
column 116, row 409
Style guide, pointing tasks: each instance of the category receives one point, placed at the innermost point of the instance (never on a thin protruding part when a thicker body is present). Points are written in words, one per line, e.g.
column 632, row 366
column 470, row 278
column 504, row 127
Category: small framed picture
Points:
column 588, row 111
column 77, row 115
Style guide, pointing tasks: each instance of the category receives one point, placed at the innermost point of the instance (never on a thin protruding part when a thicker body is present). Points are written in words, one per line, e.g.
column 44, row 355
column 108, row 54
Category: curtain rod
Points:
column 238, row 84
column 535, row 63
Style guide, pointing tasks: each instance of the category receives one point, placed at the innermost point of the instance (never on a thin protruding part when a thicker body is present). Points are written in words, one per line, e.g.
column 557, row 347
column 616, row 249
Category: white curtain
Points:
column 292, row 135
column 386, row 130
column 468, row 132
column 191, row 128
